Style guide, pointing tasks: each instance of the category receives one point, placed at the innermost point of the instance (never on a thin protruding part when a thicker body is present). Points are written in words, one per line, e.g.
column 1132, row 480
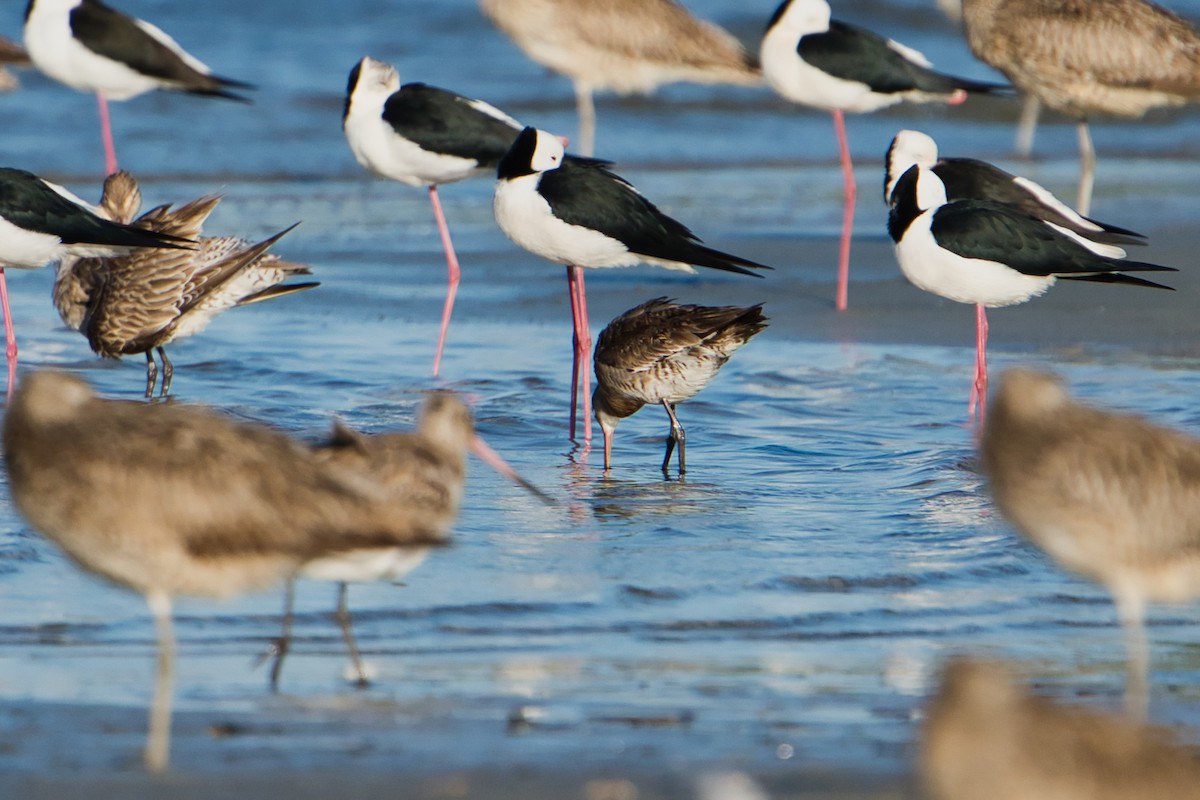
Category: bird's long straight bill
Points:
column 490, row 457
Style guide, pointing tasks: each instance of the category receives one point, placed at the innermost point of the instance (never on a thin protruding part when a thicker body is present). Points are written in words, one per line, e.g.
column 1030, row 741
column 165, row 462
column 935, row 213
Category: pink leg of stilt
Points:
column 9, row 335
column 571, row 280
column 585, row 357
column 979, row 387
column 850, row 190
column 110, row 152
column 452, row 270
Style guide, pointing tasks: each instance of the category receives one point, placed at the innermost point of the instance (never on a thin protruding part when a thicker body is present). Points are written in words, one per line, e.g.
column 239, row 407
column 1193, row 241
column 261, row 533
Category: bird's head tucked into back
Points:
column 799, row 17
column 907, row 148
column 371, row 82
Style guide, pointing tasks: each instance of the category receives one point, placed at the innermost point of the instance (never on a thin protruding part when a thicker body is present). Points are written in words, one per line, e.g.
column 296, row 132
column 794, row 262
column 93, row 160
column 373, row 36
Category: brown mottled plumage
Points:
column 624, row 46
column 1110, row 496
column 11, row 54
column 138, row 303
column 171, row 499
column 664, row 353
column 1084, row 57
column 987, row 738
column 422, row 472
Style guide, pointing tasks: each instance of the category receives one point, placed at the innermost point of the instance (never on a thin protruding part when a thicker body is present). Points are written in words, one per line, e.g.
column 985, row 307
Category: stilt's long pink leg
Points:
column 453, row 272
column 571, row 278
column 850, row 189
column 110, row 151
column 585, row 357
column 10, row 335
column 979, row 387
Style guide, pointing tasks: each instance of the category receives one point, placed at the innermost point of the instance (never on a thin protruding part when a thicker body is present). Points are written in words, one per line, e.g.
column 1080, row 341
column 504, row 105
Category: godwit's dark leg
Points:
column 850, row 190
column 151, row 374
column 453, row 276
column 110, row 152
column 979, row 387
column 1031, row 108
column 283, row 644
column 168, row 371
column 158, row 740
column 10, row 335
column 343, row 618
column 677, row 435
column 1087, row 168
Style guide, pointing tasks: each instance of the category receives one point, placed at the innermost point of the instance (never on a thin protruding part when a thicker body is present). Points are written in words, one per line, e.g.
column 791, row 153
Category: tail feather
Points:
column 1117, row 277
column 703, row 256
column 277, row 291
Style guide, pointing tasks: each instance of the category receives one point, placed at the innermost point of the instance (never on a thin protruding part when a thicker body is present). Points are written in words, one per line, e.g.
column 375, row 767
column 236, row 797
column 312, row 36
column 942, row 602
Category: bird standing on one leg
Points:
column 1110, row 496
column 423, row 136
column 662, row 353
column 576, row 212
column 824, row 63
column 992, row 255
column 91, row 47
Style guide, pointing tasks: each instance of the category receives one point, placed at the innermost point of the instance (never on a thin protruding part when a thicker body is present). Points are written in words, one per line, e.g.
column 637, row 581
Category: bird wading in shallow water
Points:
column 992, row 255
column 662, row 353
column 1112, row 497
column 624, row 46
column 811, row 59
column 576, row 212
column 92, row 47
column 140, row 302
column 1087, row 57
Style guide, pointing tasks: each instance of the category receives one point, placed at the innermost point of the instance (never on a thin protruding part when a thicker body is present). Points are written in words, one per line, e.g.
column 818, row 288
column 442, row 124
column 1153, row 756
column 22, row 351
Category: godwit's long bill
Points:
column 824, row 63
column 992, row 255
column 42, row 222
column 663, row 353
column 576, row 212
column 141, row 302
column 423, row 136
column 623, row 46
column 169, row 499
column 1119, row 57
column 423, row 473
column 91, row 47
column 1110, row 496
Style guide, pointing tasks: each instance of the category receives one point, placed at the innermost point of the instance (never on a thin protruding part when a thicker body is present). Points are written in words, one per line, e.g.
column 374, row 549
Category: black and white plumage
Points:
column 91, row 47
column 663, row 353
column 972, row 179
column 811, row 59
column 992, row 254
column 576, row 212
column 421, row 135
column 42, row 222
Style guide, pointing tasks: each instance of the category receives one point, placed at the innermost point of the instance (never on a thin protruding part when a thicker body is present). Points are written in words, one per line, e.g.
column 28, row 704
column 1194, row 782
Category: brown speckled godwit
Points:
column 624, row 46
column 1110, row 496
column 139, row 303
column 1087, row 57
column 988, row 738
column 816, row 61
column 662, row 353
column 170, row 499
column 421, row 472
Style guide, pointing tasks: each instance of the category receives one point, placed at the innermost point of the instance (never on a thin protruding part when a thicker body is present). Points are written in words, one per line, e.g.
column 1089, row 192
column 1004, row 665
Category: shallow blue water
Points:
column 830, row 546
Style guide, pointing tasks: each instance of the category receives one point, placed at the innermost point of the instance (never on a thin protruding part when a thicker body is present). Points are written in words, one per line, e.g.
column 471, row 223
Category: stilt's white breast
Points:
column 965, row 280
column 526, row 218
column 26, row 249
